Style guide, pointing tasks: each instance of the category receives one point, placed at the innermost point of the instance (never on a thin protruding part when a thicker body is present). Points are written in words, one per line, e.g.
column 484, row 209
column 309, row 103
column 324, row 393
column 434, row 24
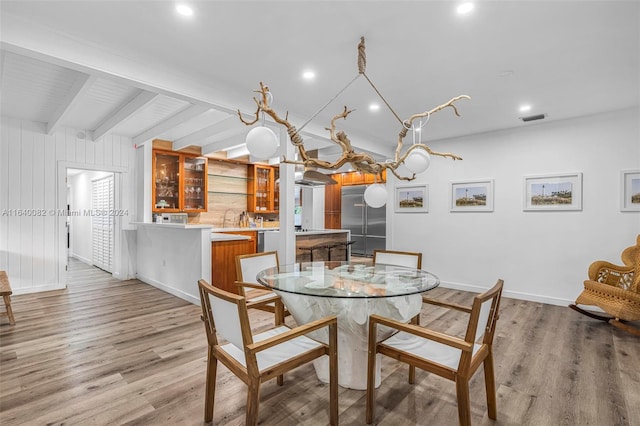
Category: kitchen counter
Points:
column 321, row 231
column 216, row 236
column 243, row 229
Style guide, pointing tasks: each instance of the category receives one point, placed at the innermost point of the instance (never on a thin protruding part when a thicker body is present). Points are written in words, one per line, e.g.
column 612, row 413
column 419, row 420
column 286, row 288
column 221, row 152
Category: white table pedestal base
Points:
column 353, row 329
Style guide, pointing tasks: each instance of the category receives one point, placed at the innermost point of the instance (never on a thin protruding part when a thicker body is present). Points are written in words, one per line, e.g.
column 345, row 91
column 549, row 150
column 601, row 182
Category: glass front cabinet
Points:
column 262, row 189
column 179, row 182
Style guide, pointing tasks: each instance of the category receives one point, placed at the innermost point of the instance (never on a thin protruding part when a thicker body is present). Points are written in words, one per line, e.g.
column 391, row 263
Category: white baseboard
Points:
column 178, row 293
column 512, row 294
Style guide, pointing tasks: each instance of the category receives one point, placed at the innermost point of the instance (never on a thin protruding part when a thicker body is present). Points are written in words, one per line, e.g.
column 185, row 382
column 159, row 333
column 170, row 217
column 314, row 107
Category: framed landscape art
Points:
column 630, row 188
column 472, row 196
column 412, row 198
column 562, row 191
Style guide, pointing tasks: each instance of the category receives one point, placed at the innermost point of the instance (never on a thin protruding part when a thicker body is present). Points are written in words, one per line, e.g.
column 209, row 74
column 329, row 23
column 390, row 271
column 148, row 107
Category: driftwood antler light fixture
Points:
column 417, row 154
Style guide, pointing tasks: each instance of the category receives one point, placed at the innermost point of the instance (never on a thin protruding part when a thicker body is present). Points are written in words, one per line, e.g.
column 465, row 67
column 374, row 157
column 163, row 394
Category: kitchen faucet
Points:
column 233, row 216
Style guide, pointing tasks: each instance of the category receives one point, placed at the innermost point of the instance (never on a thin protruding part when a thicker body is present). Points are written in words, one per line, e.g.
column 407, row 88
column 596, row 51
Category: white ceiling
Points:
column 137, row 69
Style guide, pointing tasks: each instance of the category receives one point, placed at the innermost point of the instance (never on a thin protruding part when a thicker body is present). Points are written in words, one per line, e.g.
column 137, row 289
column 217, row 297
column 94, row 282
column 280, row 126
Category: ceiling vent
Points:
column 533, row 117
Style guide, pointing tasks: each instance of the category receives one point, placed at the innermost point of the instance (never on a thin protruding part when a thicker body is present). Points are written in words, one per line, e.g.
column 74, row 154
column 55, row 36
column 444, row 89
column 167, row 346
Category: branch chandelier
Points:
column 416, row 158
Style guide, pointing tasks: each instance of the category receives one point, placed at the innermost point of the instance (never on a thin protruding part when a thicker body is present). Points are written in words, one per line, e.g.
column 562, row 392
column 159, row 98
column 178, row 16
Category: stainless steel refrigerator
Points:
column 367, row 225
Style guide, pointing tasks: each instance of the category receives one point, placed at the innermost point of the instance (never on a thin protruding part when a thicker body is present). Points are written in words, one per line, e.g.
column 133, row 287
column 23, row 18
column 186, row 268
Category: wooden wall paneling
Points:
column 108, row 149
column 4, row 190
column 81, row 149
column 13, row 202
column 26, row 202
column 49, row 202
column 38, row 161
column 29, row 246
column 70, row 145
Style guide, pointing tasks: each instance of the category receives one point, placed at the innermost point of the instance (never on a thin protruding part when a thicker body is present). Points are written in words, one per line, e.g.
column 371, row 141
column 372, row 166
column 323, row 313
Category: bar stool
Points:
column 311, row 249
column 342, row 245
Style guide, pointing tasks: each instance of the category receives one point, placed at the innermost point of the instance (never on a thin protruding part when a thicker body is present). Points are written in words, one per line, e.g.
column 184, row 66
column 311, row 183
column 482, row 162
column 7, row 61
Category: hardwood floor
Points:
column 107, row 352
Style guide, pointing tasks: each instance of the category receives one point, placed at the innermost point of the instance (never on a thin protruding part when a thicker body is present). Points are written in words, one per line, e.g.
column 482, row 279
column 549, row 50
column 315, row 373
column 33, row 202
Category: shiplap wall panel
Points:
column 49, row 239
column 4, row 193
column 13, row 202
column 38, row 221
column 29, row 248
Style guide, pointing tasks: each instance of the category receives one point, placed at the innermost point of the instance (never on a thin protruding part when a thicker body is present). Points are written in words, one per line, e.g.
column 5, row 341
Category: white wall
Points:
column 32, row 251
column 173, row 258
column 541, row 255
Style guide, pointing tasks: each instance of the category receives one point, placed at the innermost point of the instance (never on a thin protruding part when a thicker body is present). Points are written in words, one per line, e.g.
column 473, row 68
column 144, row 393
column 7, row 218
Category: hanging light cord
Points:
column 327, row 104
column 362, row 65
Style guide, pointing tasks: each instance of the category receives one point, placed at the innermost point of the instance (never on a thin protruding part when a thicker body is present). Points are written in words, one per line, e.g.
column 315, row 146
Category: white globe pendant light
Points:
column 262, row 142
column 418, row 161
column 375, row 195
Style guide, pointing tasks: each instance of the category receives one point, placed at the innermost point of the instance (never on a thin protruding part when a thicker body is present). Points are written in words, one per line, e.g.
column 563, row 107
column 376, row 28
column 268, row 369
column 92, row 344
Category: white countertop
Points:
column 242, row 229
column 321, row 231
column 215, row 236
column 172, row 225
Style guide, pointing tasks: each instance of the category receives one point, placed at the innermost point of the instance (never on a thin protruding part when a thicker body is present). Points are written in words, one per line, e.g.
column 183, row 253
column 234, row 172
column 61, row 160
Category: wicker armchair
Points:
column 615, row 289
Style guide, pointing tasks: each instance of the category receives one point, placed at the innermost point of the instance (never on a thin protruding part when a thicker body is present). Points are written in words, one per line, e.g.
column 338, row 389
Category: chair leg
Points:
column 7, row 304
column 464, row 405
column 253, row 399
column 490, row 385
column 412, row 369
column 279, row 317
column 210, row 386
column 371, row 376
column 333, row 375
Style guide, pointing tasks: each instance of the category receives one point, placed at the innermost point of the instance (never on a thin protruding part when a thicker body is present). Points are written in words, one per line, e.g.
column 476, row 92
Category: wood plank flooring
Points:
column 108, row 352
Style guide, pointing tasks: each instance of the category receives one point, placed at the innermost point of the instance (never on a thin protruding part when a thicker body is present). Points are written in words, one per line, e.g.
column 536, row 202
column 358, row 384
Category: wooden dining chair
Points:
column 398, row 258
column 447, row 356
column 258, row 296
column 255, row 359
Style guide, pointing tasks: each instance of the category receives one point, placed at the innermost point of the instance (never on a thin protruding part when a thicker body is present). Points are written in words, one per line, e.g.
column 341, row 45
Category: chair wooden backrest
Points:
column 447, row 356
column 229, row 312
column 248, row 265
column 255, row 359
column 398, row 258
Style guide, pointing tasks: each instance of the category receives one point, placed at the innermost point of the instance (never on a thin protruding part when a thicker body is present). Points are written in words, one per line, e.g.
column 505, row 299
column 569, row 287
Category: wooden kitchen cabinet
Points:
column 223, row 259
column 179, row 182
column 358, row 178
column 261, row 188
column 333, row 203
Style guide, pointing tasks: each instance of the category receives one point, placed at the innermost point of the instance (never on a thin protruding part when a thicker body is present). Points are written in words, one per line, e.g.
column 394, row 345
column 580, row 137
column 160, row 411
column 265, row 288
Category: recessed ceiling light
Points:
column 308, row 75
column 525, row 108
column 465, row 8
column 184, row 10
column 374, row 107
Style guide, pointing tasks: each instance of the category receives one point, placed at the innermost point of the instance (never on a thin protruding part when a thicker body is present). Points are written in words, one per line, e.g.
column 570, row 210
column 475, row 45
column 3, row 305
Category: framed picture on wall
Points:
column 630, row 188
column 472, row 196
column 562, row 191
column 412, row 198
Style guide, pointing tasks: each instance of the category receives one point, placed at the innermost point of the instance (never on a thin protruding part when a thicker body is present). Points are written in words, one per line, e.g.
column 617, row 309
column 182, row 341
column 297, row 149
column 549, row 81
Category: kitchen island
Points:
column 321, row 244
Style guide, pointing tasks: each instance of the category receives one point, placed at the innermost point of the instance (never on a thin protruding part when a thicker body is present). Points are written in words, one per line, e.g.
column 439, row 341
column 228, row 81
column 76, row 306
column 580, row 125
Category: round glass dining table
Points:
column 352, row 291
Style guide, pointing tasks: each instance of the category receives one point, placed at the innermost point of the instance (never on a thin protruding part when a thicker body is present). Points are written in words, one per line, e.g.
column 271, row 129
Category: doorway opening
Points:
column 90, row 223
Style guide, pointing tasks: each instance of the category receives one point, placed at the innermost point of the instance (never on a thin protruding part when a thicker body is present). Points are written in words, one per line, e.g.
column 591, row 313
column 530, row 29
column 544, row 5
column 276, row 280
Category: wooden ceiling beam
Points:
column 127, row 110
column 80, row 86
column 175, row 120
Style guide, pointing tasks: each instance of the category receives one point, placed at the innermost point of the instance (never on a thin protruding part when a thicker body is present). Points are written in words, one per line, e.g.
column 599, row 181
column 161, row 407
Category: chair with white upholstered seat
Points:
column 259, row 297
column 447, row 356
column 255, row 359
column 397, row 258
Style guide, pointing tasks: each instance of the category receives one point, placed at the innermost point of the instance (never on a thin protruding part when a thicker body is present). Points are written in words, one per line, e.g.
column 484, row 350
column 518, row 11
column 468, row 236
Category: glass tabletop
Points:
column 347, row 279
